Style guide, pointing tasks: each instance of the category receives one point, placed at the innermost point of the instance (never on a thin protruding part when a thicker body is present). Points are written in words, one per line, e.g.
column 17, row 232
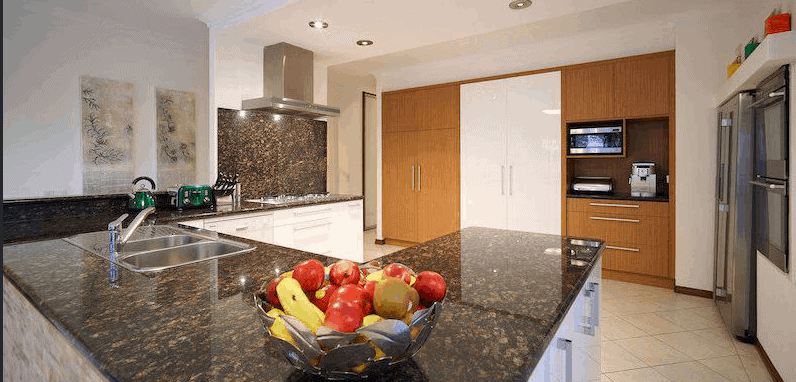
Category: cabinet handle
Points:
column 302, row 213
column 354, row 204
column 413, row 177
column 566, row 346
column 311, row 226
column 614, row 219
column 614, row 205
column 502, row 180
column 242, row 228
column 418, row 177
column 590, row 322
column 511, row 179
column 622, row 248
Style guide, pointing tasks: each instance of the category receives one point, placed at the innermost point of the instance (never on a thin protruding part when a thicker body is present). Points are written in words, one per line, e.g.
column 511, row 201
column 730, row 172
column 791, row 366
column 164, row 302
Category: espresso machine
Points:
column 642, row 179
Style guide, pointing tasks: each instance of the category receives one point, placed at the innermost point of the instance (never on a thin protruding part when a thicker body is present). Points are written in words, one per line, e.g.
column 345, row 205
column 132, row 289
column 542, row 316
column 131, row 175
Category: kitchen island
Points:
column 507, row 297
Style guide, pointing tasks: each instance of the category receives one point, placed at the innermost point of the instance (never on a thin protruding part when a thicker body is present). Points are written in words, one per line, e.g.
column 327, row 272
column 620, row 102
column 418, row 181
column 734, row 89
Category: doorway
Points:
column 369, row 159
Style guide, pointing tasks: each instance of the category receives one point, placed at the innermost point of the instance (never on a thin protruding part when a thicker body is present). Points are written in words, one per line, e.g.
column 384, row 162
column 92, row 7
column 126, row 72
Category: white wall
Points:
column 48, row 45
column 345, row 92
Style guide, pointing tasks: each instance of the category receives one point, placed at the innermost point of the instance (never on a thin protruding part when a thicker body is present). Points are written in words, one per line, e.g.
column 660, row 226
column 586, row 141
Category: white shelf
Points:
column 775, row 50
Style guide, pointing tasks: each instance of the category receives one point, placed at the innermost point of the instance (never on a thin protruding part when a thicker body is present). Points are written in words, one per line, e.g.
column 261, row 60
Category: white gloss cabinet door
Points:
column 534, row 153
column 483, row 154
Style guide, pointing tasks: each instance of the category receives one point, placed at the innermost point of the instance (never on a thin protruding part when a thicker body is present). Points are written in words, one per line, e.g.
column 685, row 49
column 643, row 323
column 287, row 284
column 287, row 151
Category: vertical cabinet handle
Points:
column 566, row 346
column 413, row 177
column 418, row 177
column 502, row 180
column 511, row 179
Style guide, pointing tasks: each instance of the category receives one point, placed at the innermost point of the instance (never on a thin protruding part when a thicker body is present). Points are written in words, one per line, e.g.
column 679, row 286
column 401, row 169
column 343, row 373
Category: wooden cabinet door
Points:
column 443, row 108
column 389, row 113
column 588, row 93
column 438, row 183
column 399, row 156
column 643, row 86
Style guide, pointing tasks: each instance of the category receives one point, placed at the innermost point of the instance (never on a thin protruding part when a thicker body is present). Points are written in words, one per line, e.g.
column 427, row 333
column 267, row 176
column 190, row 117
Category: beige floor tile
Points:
column 717, row 336
column 694, row 345
column 615, row 328
column 729, row 367
column 755, row 368
column 604, row 378
column 651, row 324
column 689, row 372
column 632, row 305
column 652, row 351
column 646, row 374
column 708, row 313
column 613, row 289
column 683, row 301
column 614, row 358
column 687, row 319
column 744, row 348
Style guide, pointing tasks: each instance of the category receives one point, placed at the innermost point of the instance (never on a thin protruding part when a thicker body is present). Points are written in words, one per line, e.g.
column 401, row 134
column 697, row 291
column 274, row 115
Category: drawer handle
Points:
column 622, row 248
column 311, row 212
column 614, row 219
column 614, row 205
column 242, row 228
column 354, row 204
column 311, row 226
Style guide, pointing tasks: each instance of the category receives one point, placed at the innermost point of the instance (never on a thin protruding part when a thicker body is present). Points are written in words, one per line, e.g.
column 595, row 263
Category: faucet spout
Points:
column 135, row 223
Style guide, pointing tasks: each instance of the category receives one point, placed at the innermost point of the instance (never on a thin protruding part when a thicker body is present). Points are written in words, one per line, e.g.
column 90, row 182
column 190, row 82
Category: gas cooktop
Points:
column 282, row 199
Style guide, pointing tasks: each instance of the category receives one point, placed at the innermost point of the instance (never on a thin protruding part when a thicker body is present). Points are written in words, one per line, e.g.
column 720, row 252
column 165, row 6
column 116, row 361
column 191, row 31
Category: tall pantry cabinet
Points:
column 420, row 154
column 511, row 153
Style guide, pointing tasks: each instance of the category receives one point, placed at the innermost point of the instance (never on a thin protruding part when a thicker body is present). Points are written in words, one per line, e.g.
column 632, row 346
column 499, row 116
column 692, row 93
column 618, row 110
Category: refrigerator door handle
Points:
column 778, row 188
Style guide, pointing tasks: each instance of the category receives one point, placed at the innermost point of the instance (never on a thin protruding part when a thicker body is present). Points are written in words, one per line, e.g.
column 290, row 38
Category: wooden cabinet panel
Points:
column 400, row 198
column 438, row 183
column 389, row 113
column 642, row 86
column 588, row 92
column 443, row 108
column 623, row 208
column 645, row 259
column 617, row 229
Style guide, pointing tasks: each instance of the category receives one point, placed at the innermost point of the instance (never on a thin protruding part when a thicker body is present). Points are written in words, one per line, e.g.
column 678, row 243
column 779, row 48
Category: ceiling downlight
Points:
column 319, row 24
column 364, row 42
column 520, row 4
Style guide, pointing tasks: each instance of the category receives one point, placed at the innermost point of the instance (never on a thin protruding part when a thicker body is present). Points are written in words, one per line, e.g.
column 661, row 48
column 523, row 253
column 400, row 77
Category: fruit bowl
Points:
column 369, row 350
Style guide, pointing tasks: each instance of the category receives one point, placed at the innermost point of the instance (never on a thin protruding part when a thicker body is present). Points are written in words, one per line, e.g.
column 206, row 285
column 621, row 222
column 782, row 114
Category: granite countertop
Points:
column 618, row 196
column 169, row 214
column 505, row 300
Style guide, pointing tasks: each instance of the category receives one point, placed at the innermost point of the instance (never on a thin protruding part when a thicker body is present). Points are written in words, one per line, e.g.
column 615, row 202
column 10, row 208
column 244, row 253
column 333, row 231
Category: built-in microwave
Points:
column 595, row 140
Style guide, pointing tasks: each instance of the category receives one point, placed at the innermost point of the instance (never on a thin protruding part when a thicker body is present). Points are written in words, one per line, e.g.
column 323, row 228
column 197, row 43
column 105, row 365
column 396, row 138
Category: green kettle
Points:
column 142, row 197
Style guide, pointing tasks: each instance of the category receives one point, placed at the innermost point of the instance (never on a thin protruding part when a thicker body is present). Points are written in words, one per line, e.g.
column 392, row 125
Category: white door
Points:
column 534, row 153
column 483, row 154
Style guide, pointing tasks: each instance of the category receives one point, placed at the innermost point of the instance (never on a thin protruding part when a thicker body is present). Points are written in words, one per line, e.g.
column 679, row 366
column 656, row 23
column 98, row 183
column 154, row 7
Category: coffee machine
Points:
column 642, row 179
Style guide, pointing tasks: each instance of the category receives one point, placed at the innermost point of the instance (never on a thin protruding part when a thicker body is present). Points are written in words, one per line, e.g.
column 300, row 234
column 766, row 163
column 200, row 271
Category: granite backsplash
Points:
column 274, row 154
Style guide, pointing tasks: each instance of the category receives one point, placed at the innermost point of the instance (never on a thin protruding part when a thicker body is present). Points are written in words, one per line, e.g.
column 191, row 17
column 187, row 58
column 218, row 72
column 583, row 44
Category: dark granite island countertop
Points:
column 505, row 300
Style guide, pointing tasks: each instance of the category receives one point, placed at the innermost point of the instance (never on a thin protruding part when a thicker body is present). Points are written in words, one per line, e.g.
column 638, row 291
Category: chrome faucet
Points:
column 117, row 237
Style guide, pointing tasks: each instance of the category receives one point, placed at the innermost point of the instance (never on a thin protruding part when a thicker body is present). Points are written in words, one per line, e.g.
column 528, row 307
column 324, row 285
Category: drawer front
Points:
column 619, row 228
column 624, row 208
column 292, row 216
column 255, row 227
column 645, row 259
column 313, row 236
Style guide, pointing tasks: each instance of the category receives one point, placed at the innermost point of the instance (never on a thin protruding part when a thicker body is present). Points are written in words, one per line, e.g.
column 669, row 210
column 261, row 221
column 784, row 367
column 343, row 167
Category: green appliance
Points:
column 192, row 196
column 142, row 196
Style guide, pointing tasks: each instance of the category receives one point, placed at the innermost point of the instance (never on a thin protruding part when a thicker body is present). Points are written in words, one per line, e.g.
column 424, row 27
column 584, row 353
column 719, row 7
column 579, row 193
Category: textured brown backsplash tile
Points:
column 285, row 155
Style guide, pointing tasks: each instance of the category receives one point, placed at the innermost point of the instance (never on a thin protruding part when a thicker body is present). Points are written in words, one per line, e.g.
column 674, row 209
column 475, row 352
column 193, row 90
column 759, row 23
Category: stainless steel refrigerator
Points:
column 735, row 276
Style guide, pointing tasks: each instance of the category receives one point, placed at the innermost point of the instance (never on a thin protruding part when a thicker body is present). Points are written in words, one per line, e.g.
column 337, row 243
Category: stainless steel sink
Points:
column 158, row 243
column 157, row 248
column 181, row 255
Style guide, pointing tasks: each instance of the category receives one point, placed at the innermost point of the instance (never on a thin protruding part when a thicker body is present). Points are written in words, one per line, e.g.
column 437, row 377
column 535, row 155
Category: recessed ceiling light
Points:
column 319, row 24
column 364, row 42
column 520, row 4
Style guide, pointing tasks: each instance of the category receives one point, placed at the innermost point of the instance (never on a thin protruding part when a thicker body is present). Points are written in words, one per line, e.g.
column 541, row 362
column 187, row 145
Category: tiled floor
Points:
column 373, row 250
column 653, row 334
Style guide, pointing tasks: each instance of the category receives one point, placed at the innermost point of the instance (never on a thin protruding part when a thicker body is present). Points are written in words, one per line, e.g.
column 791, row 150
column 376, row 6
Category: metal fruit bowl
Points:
column 338, row 355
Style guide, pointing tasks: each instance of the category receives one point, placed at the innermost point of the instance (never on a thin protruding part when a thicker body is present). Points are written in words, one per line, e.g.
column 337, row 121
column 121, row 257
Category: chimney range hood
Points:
column 287, row 84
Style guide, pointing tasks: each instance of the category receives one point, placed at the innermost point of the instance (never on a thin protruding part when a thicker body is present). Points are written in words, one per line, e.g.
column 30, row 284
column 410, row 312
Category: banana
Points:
column 412, row 282
column 371, row 319
column 298, row 305
column 274, row 312
column 279, row 330
column 375, row 276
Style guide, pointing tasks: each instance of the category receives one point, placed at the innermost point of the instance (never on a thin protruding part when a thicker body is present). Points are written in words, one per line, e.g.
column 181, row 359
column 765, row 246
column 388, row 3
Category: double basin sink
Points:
column 160, row 247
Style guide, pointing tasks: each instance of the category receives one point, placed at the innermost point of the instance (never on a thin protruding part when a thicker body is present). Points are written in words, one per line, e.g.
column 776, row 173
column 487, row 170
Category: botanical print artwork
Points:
column 108, row 122
column 176, row 137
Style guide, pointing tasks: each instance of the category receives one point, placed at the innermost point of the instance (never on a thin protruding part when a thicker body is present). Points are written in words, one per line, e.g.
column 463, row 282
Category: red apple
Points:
column 396, row 270
column 310, row 275
column 369, row 288
column 344, row 272
column 344, row 316
column 430, row 286
column 322, row 296
column 272, row 298
column 355, row 294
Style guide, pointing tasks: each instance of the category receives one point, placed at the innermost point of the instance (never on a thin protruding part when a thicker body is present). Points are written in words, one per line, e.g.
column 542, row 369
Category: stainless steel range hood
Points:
column 287, row 84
